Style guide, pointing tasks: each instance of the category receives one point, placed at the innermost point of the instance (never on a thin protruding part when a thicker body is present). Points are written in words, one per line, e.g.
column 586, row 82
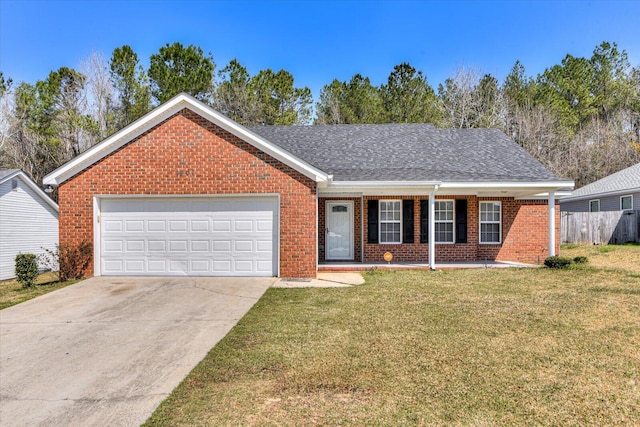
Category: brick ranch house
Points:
column 185, row 190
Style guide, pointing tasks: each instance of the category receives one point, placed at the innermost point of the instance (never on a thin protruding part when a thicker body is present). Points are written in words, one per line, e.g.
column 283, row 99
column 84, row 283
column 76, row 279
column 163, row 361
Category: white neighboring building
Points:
column 28, row 220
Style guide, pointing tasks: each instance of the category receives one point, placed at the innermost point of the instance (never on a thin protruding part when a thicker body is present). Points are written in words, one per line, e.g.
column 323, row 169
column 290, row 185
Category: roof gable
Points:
column 8, row 174
column 625, row 180
column 163, row 112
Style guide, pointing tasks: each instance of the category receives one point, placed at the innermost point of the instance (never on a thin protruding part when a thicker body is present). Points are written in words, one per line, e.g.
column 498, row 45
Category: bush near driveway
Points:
column 463, row 347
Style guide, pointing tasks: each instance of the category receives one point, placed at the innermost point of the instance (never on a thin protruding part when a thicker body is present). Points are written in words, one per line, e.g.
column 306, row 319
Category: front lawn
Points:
column 461, row 347
column 12, row 292
column 626, row 257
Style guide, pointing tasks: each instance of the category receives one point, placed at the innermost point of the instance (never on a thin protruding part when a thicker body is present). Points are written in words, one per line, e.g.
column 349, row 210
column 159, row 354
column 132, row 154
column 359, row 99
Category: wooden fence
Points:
column 614, row 227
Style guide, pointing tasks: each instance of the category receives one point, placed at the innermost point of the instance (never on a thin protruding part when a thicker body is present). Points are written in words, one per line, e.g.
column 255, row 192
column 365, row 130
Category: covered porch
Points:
column 524, row 234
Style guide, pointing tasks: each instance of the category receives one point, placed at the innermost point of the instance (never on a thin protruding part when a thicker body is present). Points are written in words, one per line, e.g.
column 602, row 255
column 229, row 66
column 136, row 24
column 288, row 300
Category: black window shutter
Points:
column 372, row 221
column 461, row 220
column 407, row 221
column 424, row 221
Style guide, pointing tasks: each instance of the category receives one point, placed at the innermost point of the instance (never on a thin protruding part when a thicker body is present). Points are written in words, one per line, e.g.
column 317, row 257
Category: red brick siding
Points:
column 524, row 234
column 187, row 154
column 357, row 226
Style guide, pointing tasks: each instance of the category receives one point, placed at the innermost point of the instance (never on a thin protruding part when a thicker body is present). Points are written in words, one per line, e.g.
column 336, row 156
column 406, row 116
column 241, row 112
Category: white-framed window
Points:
column 491, row 222
column 594, row 205
column 626, row 203
column 444, row 221
column 390, row 221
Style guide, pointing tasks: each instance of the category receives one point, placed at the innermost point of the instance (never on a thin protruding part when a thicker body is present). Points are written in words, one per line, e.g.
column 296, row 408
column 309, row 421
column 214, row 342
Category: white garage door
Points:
column 234, row 236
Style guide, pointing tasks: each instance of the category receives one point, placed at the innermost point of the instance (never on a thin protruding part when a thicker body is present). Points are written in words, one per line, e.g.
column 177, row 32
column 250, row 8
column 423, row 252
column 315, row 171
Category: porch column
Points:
column 432, row 230
column 552, row 223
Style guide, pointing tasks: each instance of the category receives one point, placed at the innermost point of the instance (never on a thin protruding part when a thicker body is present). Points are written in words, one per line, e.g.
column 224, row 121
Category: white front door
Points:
column 339, row 241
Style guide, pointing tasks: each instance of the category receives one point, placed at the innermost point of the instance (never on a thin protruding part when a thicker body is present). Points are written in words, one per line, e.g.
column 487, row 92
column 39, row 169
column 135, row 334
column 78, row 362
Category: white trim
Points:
column 626, row 195
column 384, row 184
column 163, row 112
column 351, row 225
column 453, row 221
column 551, row 222
column 32, row 185
column 594, row 200
column 432, row 229
column 97, row 208
column 361, row 229
column 480, row 222
column 509, row 184
column 380, row 242
column 520, row 190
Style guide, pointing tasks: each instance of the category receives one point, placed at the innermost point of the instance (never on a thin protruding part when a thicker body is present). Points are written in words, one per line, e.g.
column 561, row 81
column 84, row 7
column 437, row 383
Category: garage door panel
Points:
column 199, row 246
column 178, row 266
column 115, row 246
column 222, row 266
column 113, row 225
column 243, row 246
column 177, row 226
column 156, row 225
column 177, row 246
column 113, row 266
column 134, row 265
column 221, row 225
column 222, row 246
column 200, row 225
column 132, row 226
column 189, row 237
column 243, row 226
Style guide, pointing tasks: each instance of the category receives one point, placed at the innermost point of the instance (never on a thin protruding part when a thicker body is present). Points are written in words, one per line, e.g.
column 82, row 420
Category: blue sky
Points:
column 319, row 40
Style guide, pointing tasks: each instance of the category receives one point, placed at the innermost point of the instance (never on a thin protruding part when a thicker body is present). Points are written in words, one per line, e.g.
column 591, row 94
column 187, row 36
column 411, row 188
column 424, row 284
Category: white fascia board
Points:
column 559, row 195
column 599, row 195
column 379, row 188
column 423, row 187
column 24, row 178
column 477, row 185
column 384, row 184
column 163, row 112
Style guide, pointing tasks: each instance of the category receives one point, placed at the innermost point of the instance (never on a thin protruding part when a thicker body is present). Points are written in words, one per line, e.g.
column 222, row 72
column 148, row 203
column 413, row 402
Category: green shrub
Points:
column 581, row 260
column 26, row 269
column 558, row 262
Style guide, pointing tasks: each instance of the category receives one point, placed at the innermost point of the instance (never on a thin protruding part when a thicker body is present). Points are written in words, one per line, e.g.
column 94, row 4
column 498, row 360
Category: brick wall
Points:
column 187, row 154
column 524, row 234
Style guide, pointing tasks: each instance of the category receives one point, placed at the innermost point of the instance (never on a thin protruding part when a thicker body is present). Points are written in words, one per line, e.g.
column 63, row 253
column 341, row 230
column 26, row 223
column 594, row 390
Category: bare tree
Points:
column 98, row 93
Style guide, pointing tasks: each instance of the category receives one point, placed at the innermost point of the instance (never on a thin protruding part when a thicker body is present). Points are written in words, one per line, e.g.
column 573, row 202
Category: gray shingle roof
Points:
column 408, row 152
column 625, row 179
column 7, row 172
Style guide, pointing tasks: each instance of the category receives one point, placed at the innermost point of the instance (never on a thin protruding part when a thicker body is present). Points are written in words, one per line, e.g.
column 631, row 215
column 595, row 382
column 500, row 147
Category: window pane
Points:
column 626, row 202
column 490, row 222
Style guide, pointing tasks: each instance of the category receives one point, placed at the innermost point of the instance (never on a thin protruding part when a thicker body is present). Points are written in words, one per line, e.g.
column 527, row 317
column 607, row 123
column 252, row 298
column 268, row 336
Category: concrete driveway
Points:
column 107, row 351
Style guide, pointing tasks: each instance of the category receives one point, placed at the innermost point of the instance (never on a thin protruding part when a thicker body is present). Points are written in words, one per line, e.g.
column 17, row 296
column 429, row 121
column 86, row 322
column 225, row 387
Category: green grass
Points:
column 461, row 347
column 12, row 292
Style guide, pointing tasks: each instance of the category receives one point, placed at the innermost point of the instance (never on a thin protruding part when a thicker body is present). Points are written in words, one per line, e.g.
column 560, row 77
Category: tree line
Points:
column 580, row 118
